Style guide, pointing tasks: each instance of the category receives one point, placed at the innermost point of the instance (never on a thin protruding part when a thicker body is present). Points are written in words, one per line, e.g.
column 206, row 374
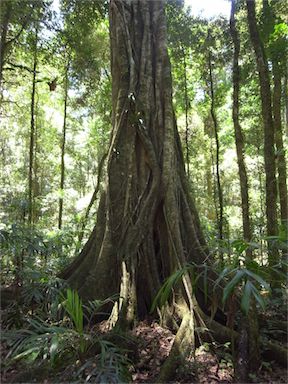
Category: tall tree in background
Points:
column 15, row 17
column 281, row 160
column 186, row 98
column 11, row 13
column 274, row 31
column 268, row 126
column 239, row 140
column 220, row 209
column 249, row 334
column 5, row 19
column 32, row 131
column 63, row 144
column 179, row 45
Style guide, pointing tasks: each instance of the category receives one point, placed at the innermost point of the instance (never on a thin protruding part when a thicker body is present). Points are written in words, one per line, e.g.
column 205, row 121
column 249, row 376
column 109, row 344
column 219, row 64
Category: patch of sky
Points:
column 209, row 8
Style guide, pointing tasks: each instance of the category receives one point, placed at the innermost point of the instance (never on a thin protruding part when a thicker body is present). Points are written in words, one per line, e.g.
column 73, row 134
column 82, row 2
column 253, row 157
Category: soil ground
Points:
column 211, row 364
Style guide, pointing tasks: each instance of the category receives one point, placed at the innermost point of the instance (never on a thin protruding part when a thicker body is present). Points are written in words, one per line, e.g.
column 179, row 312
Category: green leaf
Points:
column 252, row 265
column 73, row 306
column 164, row 292
column 246, row 297
column 258, row 297
column 240, row 245
column 257, row 278
column 31, row 352
column 226, row 271
column 53, row 348
column 232, row 284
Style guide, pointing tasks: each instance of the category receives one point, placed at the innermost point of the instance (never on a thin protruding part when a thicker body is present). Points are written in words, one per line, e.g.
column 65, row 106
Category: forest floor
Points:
column 211, row 364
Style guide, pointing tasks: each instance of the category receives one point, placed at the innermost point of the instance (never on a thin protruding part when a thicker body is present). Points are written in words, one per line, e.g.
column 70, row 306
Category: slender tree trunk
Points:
column 6, row 9
column 242, row 362
column 281, row 161
column 32, row 133
column 286, row 98
column 214, row 183
column 215, row 124
column 249, row 340
column 186, row 114
column 63, row 144
column 269, row 152
column 208, row 172
column 209, row 188
column 36, row 164
column 92, row 201
column 261, row 226
column 3, row 40
column 238, row 130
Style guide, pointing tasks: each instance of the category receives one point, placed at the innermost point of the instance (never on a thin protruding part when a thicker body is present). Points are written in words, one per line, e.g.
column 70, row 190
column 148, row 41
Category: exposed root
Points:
column 182, row 347
column 275, row 352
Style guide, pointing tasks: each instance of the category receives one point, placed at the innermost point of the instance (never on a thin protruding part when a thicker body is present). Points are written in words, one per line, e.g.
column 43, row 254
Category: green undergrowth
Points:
column 57, row 340
column 47, row 331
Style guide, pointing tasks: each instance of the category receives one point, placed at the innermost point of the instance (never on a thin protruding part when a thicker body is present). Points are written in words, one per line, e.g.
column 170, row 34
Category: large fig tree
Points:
column 147, row 225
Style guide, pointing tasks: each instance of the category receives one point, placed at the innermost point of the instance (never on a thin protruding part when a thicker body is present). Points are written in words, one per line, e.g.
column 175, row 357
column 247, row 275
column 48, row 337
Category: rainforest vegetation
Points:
column 144, row 212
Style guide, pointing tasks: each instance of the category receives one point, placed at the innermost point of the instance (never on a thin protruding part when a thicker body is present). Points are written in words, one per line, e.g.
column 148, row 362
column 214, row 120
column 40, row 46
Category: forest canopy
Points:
column 143, row 191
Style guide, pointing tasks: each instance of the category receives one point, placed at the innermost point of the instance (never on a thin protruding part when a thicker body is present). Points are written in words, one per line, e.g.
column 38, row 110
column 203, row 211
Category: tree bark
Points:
column 269, row 152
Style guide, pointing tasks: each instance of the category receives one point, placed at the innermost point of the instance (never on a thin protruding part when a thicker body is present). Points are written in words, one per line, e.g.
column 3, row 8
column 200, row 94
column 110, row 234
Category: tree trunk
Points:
column 269, row 152
column 36, row 192
column 92, row 201
column 215, row 124
column 32, row 133
column 186, row 114
column 3, row 41
column 281, row 161
column 63, row 143
column 251, row 328
column 239, row 141
column 8, row 10
column 147, row 224
column 146, row 219
column 209, row 177
column 286, row 98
